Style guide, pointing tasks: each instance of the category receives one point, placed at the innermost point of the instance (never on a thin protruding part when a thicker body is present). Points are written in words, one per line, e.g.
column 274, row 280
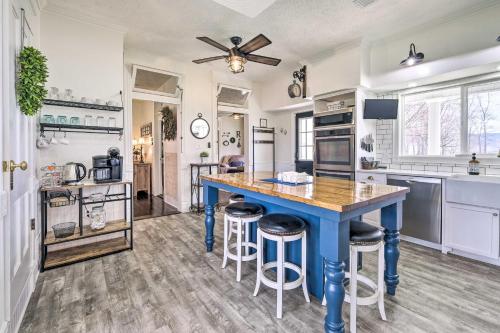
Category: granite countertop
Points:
column 334, row 194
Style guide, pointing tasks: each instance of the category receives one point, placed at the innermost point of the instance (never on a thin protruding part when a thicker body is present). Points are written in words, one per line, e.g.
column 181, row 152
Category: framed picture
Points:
column 263, row 122
column 147, row 130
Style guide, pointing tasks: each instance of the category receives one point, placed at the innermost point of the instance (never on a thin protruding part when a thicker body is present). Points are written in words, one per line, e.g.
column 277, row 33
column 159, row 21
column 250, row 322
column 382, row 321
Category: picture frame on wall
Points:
column 147, row 130
column 263, row 122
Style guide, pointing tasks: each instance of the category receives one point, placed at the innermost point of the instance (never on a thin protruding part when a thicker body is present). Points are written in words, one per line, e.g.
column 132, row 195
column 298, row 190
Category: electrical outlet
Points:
column 32, row 221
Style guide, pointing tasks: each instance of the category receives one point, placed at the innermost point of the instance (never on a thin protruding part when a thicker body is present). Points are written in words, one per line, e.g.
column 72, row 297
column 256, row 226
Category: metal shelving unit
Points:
column 255, row 141
column 80, row 105
column 70, row 255
column 46, row 127
column 196, row 186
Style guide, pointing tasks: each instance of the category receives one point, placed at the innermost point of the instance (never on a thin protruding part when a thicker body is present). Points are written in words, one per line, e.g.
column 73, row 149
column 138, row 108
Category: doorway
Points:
column 304, row 142
column 154, row 160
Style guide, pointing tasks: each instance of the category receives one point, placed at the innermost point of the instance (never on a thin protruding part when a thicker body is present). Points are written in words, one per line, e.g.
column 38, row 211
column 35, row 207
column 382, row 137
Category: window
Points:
column 451, row 121
column 483, row 118
column 305, row 138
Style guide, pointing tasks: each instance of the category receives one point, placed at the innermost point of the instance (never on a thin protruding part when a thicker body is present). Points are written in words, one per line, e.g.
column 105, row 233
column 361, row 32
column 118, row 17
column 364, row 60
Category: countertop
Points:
column 334, row 194
column 415, row 173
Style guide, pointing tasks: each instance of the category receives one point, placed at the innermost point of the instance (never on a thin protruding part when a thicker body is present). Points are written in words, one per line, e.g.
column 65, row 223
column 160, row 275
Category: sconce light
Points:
column 498, row 39
column 413, row 57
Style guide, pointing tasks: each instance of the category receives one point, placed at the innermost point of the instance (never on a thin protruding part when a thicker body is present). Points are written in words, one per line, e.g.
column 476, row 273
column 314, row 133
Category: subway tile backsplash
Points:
column 384, row 154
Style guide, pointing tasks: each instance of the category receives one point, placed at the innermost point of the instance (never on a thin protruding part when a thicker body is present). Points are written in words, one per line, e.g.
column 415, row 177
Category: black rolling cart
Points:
column 196, row 186
column 78, row 253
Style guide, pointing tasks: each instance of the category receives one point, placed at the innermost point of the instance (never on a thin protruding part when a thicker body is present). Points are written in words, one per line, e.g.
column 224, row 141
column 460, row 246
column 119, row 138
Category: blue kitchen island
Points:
column 327, row 205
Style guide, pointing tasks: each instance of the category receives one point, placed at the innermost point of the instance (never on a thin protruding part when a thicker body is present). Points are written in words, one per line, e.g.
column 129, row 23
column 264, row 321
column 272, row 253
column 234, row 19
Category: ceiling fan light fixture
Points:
column 414, row 57
column 236, row 63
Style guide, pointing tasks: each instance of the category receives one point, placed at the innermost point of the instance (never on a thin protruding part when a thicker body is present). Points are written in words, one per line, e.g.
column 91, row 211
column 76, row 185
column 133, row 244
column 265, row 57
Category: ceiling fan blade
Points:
column 200, row 61
column 263, row 60
column 256, row 43
column 213, row 43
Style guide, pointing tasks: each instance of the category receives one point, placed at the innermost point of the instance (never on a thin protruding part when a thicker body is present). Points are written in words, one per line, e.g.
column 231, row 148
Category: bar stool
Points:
column 281, row 228
column 236, row 198
column 364, row 238
column 240, row 214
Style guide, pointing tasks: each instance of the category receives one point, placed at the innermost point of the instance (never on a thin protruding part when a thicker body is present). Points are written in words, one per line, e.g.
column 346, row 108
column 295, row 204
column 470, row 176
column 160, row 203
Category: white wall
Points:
column 230, row 125
column 89, row 60
column 449, row 46
column 143, row 114
column 199, row 96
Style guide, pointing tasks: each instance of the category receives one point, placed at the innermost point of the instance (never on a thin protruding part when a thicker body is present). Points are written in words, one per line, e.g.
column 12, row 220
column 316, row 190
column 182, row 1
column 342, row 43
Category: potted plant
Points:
column 203, row 155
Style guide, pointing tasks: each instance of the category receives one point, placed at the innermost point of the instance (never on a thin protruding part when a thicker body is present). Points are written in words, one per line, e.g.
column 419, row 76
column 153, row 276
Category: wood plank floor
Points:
column 169, row 284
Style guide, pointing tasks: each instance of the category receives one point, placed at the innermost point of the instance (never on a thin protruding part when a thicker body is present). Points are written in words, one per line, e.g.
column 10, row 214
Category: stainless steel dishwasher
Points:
column 421, row 209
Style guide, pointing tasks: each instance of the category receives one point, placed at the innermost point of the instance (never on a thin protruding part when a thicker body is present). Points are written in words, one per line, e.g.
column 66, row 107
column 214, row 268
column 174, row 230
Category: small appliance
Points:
column 107, row 168
column 73, row 172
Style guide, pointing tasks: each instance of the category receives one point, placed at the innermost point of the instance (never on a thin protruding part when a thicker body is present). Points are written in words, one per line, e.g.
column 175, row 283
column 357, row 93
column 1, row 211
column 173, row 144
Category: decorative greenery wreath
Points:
column 169, row 124
column 30, row 85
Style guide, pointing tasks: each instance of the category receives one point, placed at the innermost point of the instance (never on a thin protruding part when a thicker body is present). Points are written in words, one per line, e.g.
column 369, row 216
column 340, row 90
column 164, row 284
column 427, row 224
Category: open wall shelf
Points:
column 80, row 105
column 45, row 127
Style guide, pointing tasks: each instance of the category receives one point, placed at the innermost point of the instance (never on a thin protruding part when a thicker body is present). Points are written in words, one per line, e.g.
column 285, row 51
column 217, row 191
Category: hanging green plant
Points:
column 169, row 124
column 33, row 74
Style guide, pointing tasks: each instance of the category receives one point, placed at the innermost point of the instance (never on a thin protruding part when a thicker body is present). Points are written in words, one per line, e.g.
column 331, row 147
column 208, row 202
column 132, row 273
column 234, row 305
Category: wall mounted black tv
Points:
column 381, row 109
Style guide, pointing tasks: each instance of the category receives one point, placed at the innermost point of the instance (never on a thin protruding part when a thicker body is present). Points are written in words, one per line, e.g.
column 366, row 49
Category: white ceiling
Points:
column 299, row 29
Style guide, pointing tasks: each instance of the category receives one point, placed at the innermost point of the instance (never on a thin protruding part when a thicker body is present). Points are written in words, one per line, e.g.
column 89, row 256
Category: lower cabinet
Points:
column 472, row 229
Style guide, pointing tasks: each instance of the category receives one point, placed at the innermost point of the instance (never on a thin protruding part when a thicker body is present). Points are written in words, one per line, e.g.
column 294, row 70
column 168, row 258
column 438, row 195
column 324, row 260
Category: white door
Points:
column 18, row 193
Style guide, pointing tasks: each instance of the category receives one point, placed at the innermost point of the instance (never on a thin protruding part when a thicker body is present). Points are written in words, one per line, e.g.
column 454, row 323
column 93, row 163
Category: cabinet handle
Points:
column 495, row 214
column 370, row 178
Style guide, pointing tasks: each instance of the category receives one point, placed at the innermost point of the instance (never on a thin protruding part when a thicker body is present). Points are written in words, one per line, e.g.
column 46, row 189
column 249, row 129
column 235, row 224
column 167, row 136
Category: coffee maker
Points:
column 107, row 168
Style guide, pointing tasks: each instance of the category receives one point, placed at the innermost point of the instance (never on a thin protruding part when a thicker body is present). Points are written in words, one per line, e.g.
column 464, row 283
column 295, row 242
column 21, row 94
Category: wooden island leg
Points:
column 334, row 247
column 392, row 222
column 210, row 199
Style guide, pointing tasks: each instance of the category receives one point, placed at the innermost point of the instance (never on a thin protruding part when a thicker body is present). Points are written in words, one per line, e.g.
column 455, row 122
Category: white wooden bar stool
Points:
column 364, row 238
column 236, row 198
column 237, row 219
column 281, row 228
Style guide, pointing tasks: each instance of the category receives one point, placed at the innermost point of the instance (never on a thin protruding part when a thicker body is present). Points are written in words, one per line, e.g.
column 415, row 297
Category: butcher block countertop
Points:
column 333, row 194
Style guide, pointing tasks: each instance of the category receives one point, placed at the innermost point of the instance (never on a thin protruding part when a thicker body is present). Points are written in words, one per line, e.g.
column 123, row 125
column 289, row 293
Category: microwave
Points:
column 334, row 118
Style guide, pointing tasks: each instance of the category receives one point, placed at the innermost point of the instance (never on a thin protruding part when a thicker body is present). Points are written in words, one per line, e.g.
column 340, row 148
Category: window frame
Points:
column 464, row 86
column 305, row 115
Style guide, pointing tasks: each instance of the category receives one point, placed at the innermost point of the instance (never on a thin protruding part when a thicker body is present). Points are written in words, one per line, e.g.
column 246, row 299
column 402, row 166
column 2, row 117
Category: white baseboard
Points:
column 487, row 260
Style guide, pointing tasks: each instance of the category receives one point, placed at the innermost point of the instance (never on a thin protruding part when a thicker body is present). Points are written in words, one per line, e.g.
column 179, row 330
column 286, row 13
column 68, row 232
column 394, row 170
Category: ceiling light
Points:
column 498, row 39
column 236, row 116
column 498, row 68
column 236, row 63
column 413, row 57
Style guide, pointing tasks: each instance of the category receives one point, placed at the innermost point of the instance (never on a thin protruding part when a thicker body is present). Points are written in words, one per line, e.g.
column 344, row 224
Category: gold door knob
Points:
column 23, row 166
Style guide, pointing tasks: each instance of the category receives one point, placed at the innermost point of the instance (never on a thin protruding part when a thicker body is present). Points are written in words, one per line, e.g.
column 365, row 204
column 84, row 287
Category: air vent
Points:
column 362, row 3
column 232, row 96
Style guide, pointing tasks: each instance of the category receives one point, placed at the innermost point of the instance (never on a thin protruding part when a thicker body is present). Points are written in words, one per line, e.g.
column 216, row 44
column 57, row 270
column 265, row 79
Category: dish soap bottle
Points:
column 474, row 165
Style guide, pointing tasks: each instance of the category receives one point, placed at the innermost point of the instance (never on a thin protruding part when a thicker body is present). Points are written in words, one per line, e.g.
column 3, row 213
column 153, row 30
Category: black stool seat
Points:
column 244, row 209
column 237, row 197
column 282, row 224
column 361, row 232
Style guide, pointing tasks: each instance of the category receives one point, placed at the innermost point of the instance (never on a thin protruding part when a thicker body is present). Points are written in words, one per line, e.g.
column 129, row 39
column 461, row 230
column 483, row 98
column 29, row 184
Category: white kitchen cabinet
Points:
column 472, row 229
column 372, row 178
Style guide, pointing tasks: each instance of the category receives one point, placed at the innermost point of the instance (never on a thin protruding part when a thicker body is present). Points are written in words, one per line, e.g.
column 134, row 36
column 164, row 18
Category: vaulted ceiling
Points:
column 299, row 29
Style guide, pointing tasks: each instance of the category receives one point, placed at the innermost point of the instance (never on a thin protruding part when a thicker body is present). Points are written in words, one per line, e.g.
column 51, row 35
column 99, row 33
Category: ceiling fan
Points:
column 238, row 55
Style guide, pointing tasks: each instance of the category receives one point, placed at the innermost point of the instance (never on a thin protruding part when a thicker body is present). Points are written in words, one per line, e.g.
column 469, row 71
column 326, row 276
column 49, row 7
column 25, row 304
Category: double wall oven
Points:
column 334, row 144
